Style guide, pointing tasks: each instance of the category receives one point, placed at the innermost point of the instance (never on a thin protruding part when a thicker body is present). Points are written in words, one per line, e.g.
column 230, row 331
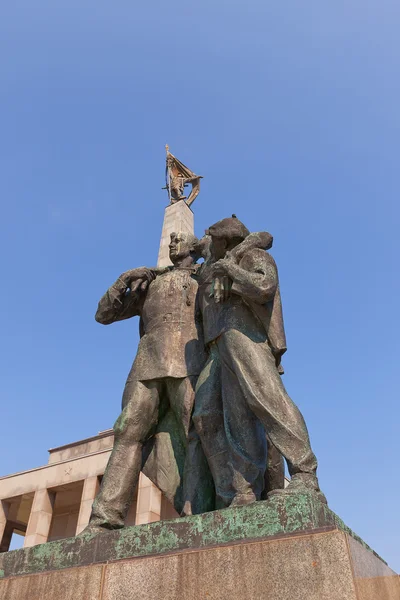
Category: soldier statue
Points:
column 169, row 359
column 243, row 330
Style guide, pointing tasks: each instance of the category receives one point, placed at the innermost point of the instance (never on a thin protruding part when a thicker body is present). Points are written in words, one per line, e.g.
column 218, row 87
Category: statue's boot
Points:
column 187, row 510
column 243, row 499
column 299, row 484
column 92, row 529
column 117, row 488
column 222, row 474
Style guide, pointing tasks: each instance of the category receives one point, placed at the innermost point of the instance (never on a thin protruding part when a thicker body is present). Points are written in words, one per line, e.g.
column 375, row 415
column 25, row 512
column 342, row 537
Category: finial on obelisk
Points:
column 177, row 177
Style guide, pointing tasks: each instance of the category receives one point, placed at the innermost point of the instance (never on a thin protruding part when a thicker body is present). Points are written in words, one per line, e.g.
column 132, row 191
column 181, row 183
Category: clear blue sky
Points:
column 290, row 110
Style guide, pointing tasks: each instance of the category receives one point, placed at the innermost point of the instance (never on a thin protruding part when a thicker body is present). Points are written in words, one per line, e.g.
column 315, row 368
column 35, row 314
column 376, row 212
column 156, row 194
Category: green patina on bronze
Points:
column 279, row 516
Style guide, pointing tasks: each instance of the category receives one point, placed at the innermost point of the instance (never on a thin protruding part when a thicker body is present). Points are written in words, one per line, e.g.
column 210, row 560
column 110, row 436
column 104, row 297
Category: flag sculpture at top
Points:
column 177, row 177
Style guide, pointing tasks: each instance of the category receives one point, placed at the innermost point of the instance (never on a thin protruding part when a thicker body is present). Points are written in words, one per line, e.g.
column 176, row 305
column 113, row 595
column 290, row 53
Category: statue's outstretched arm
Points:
column 125, row 297
column 117, row 304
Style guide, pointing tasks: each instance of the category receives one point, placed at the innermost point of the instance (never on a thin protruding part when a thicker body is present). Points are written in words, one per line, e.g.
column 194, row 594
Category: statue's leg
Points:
column 198, row 485
column 245, row 433
column 209, row 424
column 261, row 386
column 141, row 402
column 181, row 392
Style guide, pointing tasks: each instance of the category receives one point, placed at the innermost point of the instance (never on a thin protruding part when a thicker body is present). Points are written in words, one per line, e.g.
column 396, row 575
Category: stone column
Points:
column 90, row 489
column 177, row 217
column 148, row 508
column 40, row 519
column 4, row 537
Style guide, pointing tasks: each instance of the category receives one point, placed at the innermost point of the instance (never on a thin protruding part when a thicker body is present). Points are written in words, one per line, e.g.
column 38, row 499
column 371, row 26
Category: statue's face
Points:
column 218, row 247
column 179, row 247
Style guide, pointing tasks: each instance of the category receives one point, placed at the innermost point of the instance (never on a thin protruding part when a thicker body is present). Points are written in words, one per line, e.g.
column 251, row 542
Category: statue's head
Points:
column 225, row 235
column 183, row 245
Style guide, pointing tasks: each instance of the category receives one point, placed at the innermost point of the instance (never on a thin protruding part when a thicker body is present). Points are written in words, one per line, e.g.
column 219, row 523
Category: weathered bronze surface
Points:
column 204, row 411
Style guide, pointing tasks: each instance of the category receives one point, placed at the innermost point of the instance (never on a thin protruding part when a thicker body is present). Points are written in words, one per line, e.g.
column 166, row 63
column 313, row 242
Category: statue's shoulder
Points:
column 161, row 272
column 257, row 255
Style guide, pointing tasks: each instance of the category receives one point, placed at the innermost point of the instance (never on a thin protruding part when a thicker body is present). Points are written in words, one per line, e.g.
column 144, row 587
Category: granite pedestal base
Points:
column 286, row 548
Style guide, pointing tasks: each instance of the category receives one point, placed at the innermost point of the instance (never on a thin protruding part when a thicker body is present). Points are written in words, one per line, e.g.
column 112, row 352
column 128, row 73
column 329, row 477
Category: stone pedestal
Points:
column 283, row 549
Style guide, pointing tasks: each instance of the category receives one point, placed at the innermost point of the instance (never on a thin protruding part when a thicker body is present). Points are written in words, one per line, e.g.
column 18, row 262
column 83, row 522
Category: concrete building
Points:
column 54, row 501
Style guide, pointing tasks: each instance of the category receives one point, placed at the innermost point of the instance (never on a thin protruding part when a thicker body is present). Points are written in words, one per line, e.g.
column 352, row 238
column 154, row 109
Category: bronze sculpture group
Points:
column 205, row 413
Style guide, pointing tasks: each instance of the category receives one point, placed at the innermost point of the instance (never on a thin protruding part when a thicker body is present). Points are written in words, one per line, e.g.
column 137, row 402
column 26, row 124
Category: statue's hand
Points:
column 221, row 267
column 230, row 257
column 138, row 277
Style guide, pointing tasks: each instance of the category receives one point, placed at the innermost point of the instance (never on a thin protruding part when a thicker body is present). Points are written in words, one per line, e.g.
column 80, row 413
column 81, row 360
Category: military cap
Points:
column 228, row 228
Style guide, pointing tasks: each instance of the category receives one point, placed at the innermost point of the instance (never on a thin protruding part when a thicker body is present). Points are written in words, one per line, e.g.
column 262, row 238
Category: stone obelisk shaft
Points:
column 177, row 217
